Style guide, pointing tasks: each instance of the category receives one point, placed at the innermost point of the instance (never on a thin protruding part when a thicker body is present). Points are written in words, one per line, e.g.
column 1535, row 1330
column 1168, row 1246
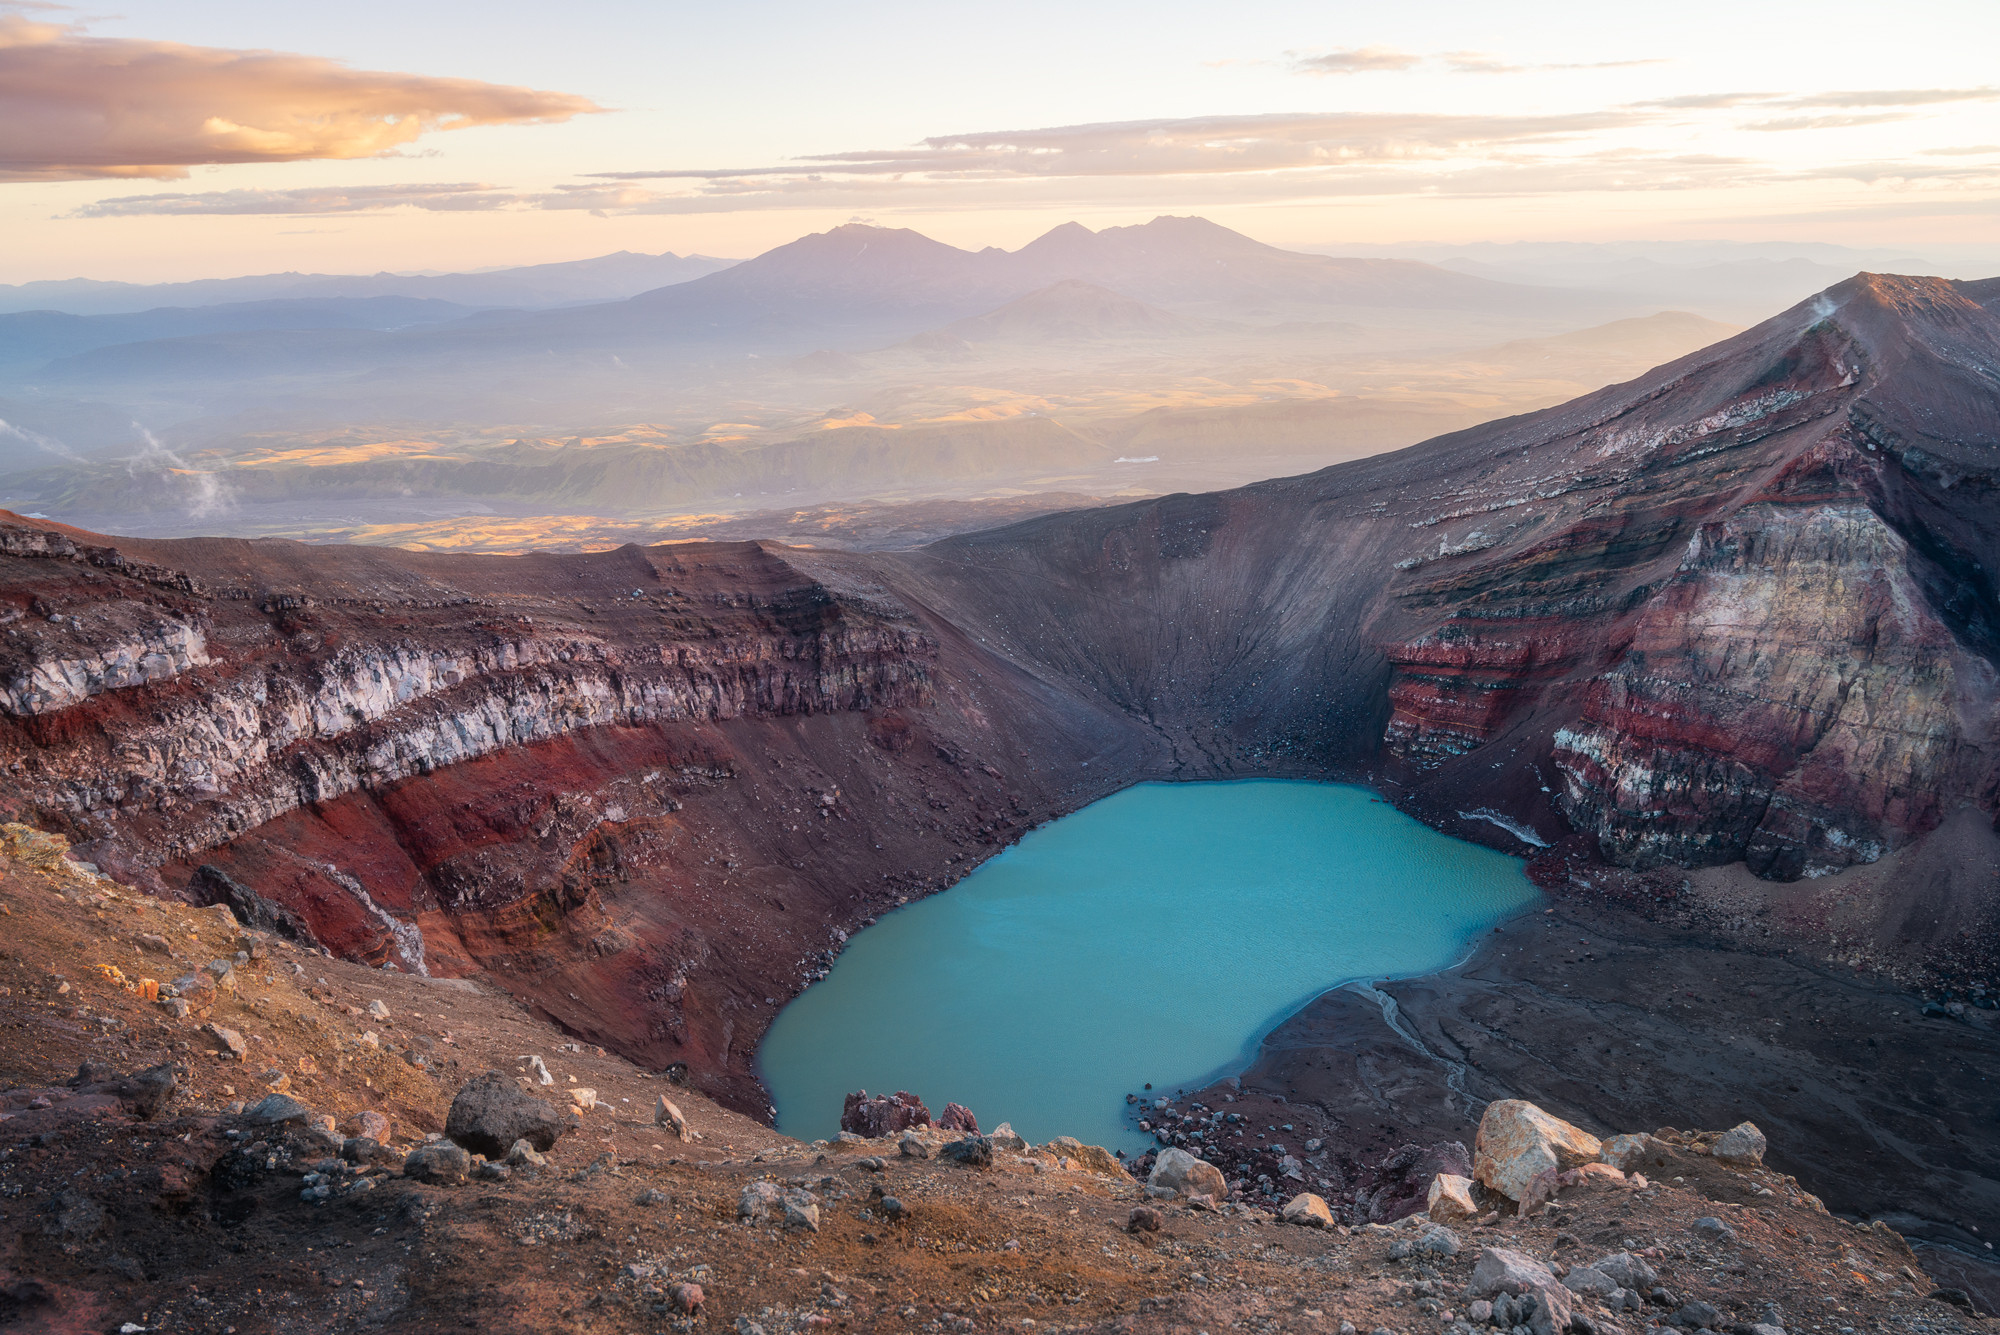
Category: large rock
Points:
column 1528, row 1287
column 1177, row 1170
column 491, row 1112
column 277, row 1110
column 1742, row 1145
column 1517, row 1140
column 1450, row 1198
column 882, row 1115
column 1309, row 1210
column 143, row 1093
column 1629, row 1271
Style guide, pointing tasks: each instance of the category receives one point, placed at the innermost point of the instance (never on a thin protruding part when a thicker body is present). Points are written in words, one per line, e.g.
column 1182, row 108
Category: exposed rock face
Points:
column 1737, row 609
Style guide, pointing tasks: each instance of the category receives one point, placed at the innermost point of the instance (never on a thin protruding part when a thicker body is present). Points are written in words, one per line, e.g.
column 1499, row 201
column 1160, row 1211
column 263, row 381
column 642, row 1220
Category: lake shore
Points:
column 1630, row 1024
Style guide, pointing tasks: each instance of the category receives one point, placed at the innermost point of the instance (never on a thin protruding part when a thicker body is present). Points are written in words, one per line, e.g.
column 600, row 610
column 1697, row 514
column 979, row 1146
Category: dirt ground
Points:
column 194, row 1220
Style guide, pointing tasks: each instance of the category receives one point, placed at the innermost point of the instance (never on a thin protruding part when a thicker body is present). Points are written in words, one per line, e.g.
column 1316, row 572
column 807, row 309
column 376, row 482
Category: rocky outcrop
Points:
column 887, row 1114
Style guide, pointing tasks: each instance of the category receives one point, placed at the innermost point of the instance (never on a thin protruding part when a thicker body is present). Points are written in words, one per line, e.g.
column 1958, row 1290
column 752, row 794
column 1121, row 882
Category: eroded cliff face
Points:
column 1738, row 609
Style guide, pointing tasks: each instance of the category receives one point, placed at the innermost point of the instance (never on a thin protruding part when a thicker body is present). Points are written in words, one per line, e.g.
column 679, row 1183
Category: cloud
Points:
column 1968, row 150
column 1379, row 59
column 74, row 107
column 1197, row 145
column 460, row 198
column 1481, row 62
column 1363, row 60
column 1878, row 97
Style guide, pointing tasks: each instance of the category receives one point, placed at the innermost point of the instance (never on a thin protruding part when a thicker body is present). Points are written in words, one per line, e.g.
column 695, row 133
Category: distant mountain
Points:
column 41, row 335
column 605, row 278
column 863, row 273
column 1071, row 311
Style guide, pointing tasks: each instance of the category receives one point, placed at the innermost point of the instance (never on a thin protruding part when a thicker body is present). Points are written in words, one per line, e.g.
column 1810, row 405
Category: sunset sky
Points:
column 177, row 140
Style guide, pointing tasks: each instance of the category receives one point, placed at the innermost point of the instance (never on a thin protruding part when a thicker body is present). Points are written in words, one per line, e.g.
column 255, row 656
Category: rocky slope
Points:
column 261, row 1154
column 1732, row 613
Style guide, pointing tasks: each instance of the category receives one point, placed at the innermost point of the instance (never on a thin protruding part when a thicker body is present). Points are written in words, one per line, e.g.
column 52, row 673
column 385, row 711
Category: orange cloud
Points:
column 82, row 108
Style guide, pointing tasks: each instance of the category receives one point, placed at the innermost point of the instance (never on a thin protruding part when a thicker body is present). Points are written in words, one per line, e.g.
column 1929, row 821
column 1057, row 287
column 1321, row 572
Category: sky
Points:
column 175, row 140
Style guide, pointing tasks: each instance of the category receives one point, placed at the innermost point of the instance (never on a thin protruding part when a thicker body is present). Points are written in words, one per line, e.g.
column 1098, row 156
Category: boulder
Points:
column 1004, row 1137
column 1591, row 1282
column 913, row 1147
column 1091, row 1158
column 1627, row 1270
column 1143, row 1219
column 373, row 1125
column 439, row 1162
column 1712, row 1230
column 882, row 1115
column 1634, row 1151
column 1500, row 1270
column 1532, row 1296
column 1177, row 1170
column 1517, row 1140
column 1450, row 1198
column 667, row 1115
column 1308, row 1209
column 1741, row 1145
column 957, row 1117
column 760, row 1202
column 972, row 1151
column 233, row 1046
column 491, row 1112
column 801, row 1214
column 277, row 1110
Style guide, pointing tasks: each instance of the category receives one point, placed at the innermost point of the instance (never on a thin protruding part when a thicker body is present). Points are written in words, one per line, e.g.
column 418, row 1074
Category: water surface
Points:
column 1159, row 933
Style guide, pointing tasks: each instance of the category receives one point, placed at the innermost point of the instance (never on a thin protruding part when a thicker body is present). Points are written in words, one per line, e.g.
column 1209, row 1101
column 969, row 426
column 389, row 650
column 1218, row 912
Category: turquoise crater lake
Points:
column 1157, row 934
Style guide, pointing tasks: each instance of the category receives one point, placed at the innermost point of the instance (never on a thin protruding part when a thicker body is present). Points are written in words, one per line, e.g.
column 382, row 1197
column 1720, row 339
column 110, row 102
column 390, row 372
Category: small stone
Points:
column 1627, row 1270
column 489, row 1171
column 377, row 1010
column 688, row 1298
column 1479, row 1312
column 585, row 1099
column 1308, row 1210
column 913, row 1147
column 438, row 1162
column 1451, row 1198
column 801, row 1214
column 231, row 1041
column 360, row 1149
column 1143, row 1219
column 893, row 1208
column 522, row 1154
column 1741, row 1145
column 651, row 1196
